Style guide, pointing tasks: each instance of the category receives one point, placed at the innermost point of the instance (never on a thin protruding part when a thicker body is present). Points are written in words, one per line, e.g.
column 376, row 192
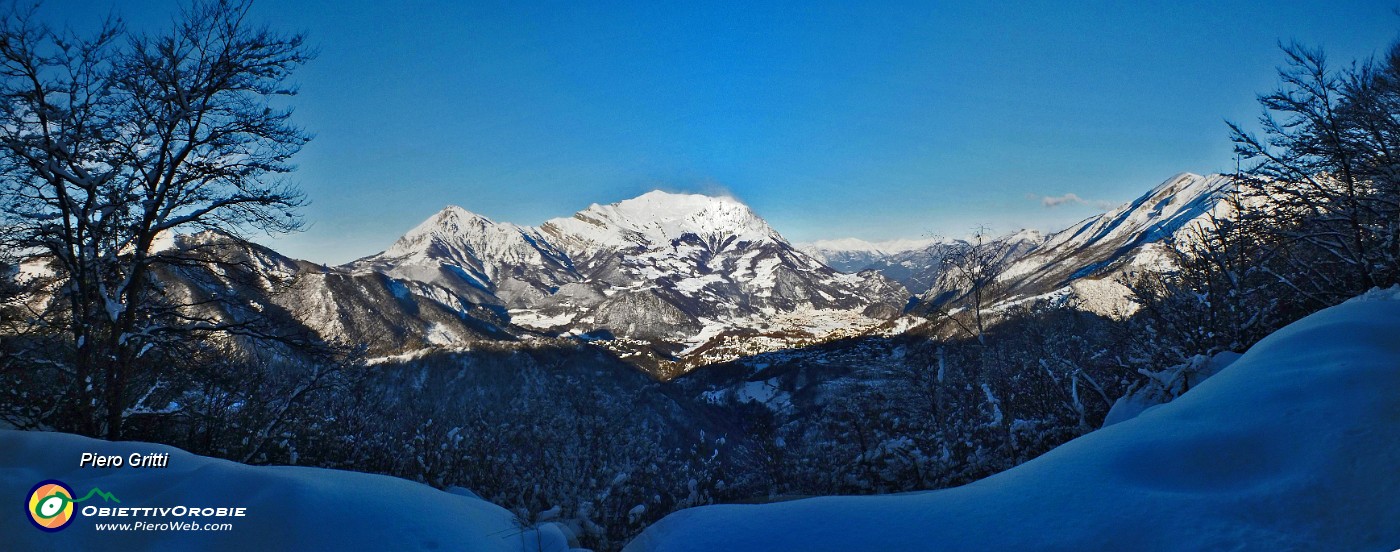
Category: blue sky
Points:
column 831, row 119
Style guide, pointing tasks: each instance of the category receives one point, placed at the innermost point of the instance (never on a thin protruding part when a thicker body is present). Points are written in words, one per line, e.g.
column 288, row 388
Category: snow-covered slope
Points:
column 478, row 259
column 671, row 272
column 1291, row 447
column 655, row 219
column 385, row 314
column 287, row 508
column 1079, row 261
column 707, row 263
column 672, row 281
column 1127, row 238
column 675, row 279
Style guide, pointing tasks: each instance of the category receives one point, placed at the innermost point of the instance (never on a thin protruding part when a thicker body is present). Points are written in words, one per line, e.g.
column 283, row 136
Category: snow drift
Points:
column 288, row 508
column 1291, row 447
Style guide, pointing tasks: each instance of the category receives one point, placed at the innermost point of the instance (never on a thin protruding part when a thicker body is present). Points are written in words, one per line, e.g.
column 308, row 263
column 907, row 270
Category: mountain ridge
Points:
column 1079, row 261
column 666, row 272
column 676, row 281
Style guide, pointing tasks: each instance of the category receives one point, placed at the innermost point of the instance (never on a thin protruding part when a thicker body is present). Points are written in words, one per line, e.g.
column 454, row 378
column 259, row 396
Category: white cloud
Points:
column 1050, row 202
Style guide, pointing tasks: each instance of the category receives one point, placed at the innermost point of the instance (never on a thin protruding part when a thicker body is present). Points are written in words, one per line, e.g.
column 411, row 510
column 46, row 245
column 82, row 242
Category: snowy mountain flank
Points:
column 476, row 258
column 1083, row 259
column 1080, row 262
column 664, row 274
column 671, row 281
column 667, row 282
column 1285, row 449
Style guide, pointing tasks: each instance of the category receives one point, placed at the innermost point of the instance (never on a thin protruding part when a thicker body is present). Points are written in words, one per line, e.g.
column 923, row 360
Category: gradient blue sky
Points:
column 831, row 119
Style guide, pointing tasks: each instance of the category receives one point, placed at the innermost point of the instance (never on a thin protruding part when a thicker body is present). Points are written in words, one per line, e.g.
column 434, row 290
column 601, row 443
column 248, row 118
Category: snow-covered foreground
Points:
column 1292, row 447
column 288, row 508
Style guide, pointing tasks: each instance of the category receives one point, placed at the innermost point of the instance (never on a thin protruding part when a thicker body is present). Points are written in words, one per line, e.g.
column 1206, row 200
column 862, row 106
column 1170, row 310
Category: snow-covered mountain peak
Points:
column 454, row 213
column 1122, row 239
column 1165, row 209
column 656, row 218
column 452, row 222
column 1176, row 183
column 663, row 203
column 683, row 268
column 469, row 253
column 1025, row 234
column 459, row 234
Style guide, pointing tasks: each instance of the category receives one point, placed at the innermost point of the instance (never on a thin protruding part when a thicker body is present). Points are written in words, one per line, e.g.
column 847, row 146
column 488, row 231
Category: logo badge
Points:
column 50, row 505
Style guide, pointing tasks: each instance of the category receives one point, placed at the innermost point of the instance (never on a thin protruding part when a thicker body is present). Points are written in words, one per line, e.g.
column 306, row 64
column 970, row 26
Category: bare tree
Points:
column 1326, row 173
column 111, row 142
column 1219, row 292
column 973, row 271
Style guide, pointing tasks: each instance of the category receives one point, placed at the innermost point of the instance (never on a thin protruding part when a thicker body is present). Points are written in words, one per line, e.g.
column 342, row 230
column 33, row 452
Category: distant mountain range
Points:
column 917, row 264
column 670, row 282
column 855, row 255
